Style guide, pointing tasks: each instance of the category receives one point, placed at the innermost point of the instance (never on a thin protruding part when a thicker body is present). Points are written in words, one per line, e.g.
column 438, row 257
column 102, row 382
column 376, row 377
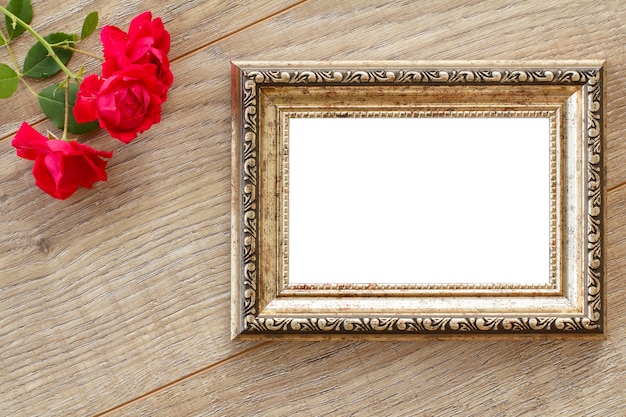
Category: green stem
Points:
column 67, row 110
column 14, row 62
column 28, row 87
column 80, row 51
column 6, row 43
column 41, row 41
column 4, row 38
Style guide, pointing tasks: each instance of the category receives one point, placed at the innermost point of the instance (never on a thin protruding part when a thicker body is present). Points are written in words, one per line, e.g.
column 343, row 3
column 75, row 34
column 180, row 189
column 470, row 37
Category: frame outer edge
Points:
column 236, row 323
column 604, row 200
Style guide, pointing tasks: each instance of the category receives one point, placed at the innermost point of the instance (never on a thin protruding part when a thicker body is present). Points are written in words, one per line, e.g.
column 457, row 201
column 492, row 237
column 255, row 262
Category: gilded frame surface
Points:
column 265, row 95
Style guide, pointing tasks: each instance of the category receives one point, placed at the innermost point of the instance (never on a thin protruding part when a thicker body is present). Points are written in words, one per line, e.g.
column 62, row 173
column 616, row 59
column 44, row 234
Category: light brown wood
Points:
column 398, row 379
column 116, row 295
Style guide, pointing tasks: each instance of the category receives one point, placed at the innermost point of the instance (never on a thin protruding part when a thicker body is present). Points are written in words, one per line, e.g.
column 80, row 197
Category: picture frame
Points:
column 270, row 297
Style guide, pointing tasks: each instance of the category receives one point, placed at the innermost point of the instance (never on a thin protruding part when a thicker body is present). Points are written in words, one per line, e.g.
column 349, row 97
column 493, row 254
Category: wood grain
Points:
column 444, row 378
column 125, row 288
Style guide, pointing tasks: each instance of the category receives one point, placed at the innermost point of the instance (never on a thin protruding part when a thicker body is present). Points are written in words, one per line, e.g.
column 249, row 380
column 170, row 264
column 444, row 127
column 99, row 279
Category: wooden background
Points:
column 116, row 301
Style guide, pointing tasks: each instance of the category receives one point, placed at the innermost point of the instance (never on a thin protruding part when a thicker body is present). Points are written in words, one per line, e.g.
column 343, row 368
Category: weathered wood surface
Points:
column 118, row 298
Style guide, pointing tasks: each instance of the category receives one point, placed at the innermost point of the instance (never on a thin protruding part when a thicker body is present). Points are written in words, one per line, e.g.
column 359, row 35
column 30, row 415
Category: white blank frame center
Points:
column 411, row 200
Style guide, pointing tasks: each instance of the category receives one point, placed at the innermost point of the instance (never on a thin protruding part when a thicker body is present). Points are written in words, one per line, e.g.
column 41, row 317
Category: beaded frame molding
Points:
column 266, row 95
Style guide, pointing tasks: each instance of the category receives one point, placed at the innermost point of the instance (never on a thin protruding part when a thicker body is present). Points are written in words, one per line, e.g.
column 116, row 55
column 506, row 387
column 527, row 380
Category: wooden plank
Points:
column 125, row 288
column 616, row 262
column 191, row 24
column 442, row 378
column 107, row 295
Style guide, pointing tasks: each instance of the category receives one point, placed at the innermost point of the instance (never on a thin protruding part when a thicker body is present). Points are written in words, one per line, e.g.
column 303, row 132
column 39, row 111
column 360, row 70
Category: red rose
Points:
column 126, row 103
column 147, row 42
column 60, row 166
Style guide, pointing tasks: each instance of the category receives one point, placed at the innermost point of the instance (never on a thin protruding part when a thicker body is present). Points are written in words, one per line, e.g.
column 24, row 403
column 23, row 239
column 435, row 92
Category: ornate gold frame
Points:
column 266, row 94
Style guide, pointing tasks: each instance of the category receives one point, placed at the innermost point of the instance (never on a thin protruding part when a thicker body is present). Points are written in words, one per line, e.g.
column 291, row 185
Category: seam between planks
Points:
column 235, row 32
column 615, row 187
column 181, row 380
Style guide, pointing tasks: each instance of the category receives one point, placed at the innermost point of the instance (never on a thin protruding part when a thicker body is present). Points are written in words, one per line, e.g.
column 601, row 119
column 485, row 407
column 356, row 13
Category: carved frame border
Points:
column 267, row 306
column 552, row 287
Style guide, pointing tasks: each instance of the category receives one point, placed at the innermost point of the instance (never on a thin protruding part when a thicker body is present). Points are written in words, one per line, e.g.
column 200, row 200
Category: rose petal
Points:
column 29, row 143
column 114, row 42
column 85, row 106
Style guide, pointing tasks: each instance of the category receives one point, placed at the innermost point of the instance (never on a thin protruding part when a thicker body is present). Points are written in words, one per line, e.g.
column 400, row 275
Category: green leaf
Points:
column 52, row 102
column 38, row 64
column 89, row 25
column 22, row 9
column 8, row 81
